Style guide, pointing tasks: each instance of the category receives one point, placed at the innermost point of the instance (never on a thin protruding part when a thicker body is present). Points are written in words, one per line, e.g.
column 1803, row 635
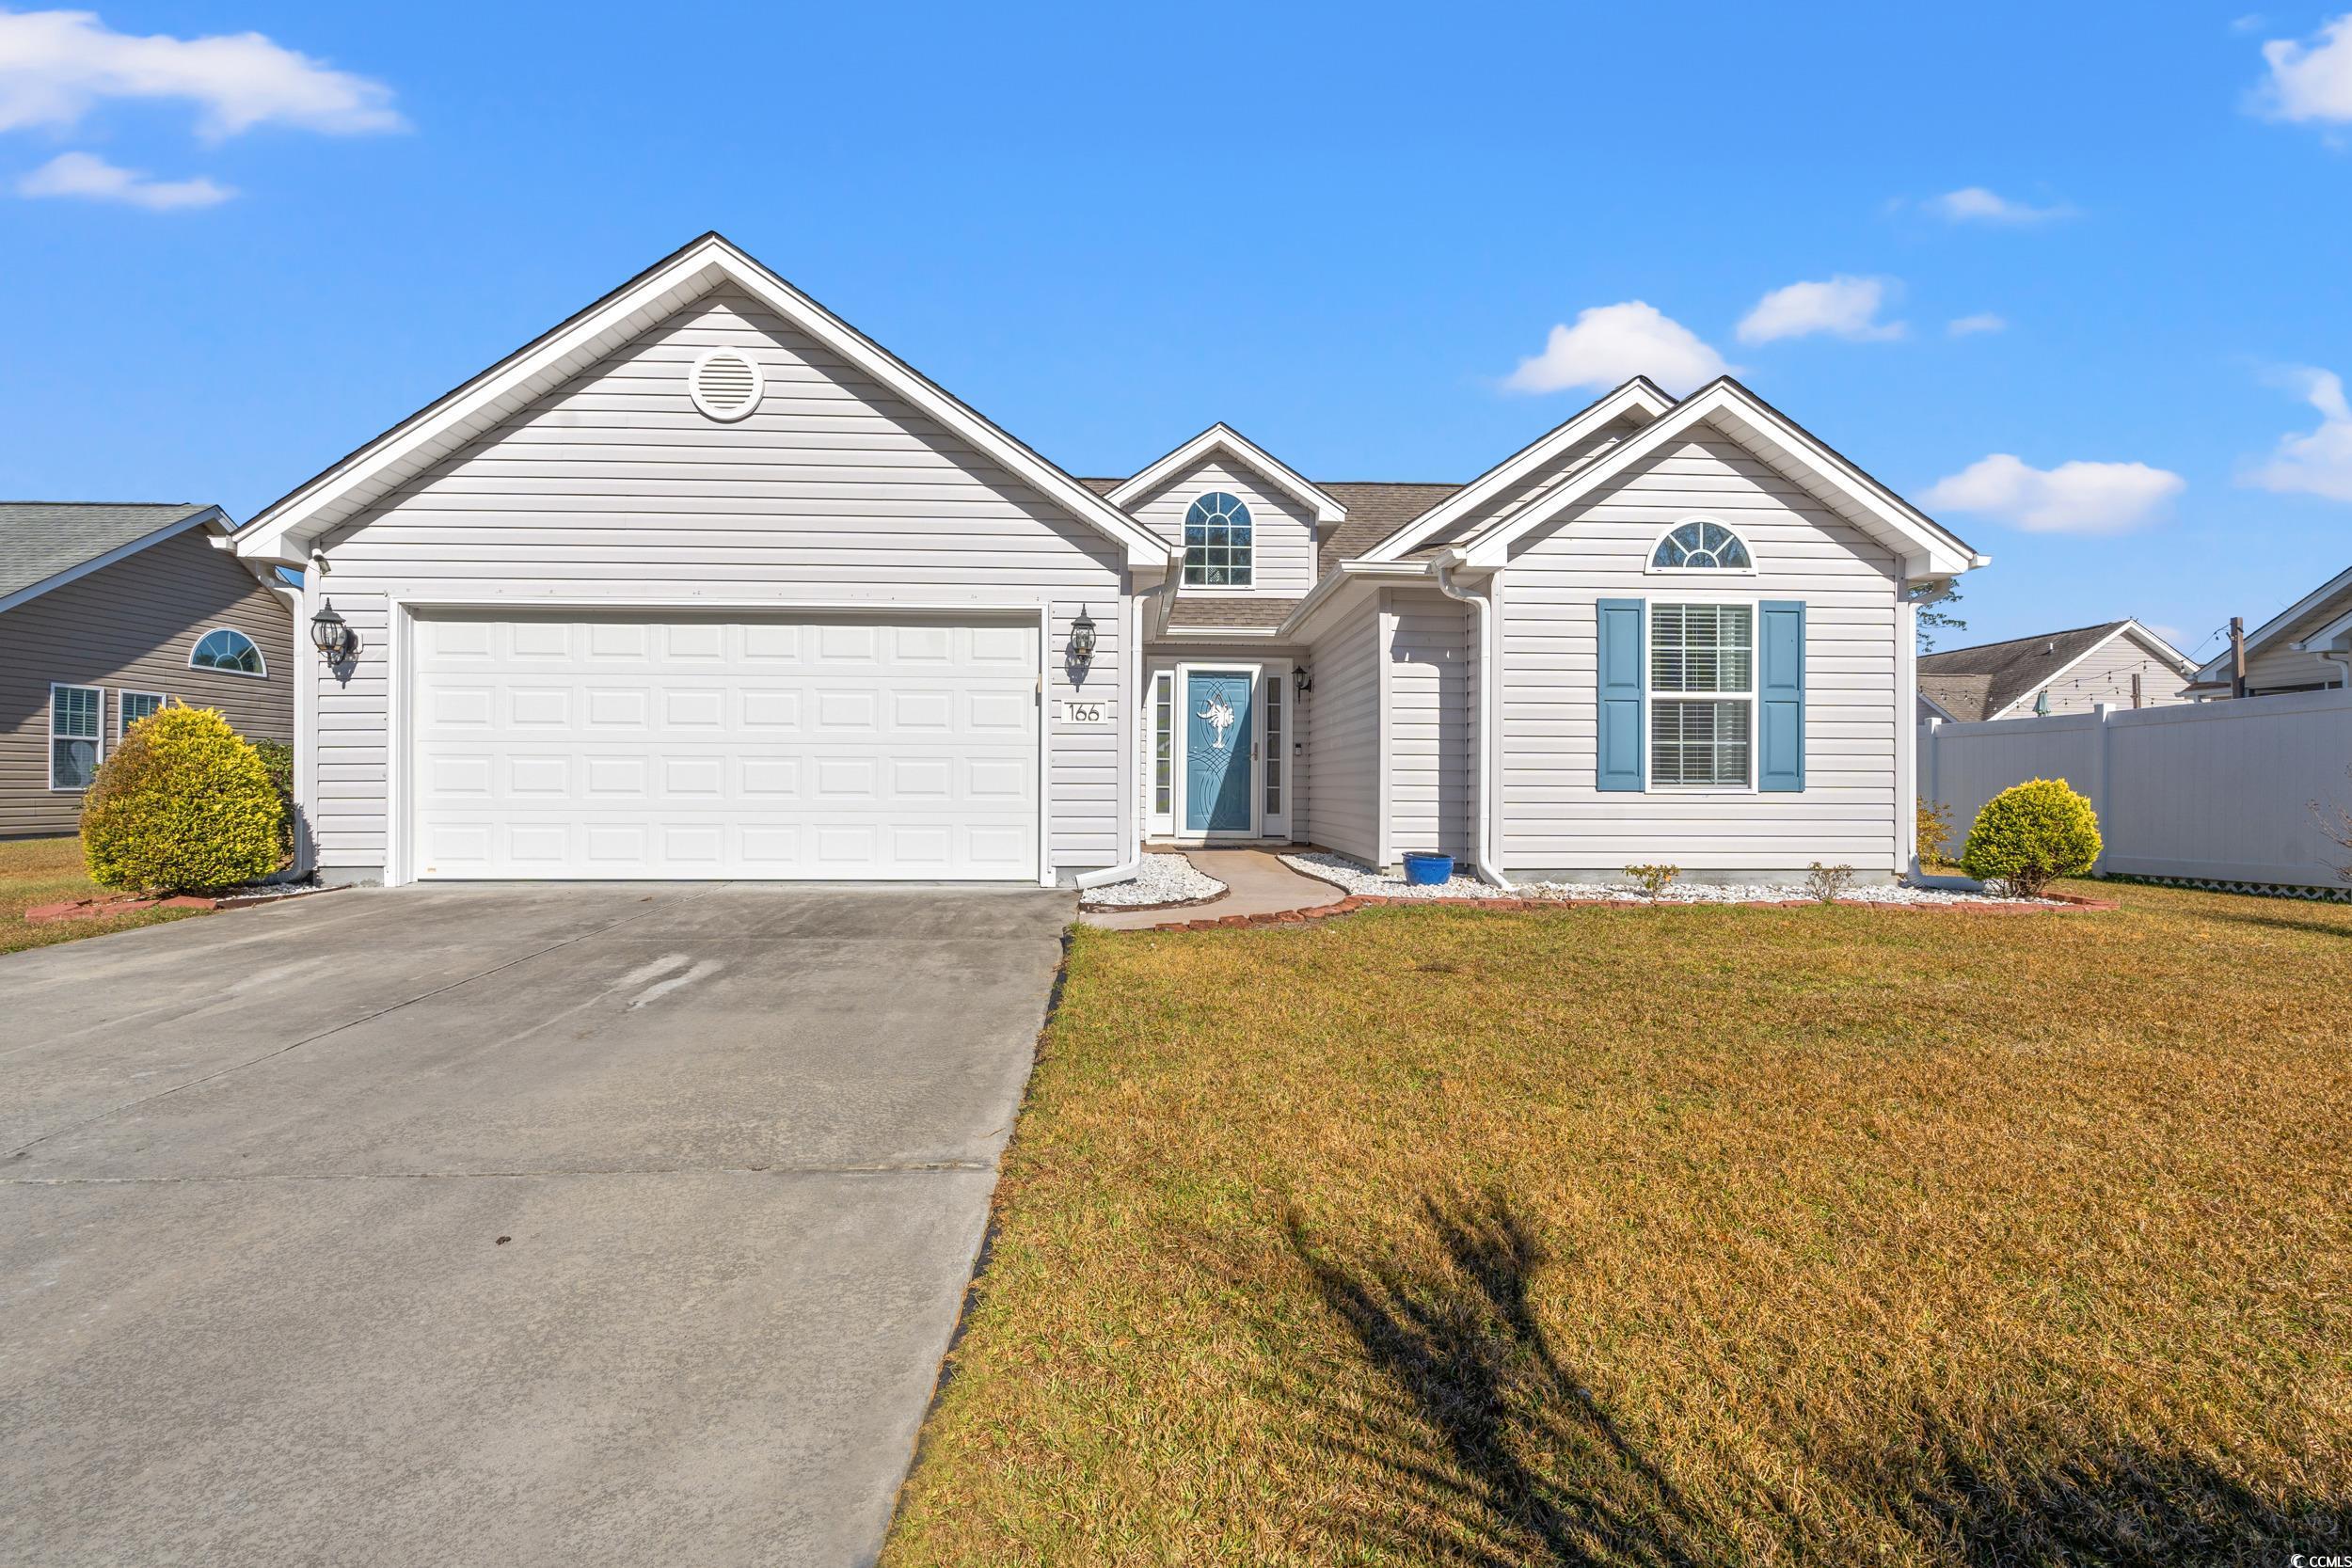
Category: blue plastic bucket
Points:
column 1428, row 870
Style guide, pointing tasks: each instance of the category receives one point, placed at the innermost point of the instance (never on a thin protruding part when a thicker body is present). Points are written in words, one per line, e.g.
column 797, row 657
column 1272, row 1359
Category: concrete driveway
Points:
column 499, row 1224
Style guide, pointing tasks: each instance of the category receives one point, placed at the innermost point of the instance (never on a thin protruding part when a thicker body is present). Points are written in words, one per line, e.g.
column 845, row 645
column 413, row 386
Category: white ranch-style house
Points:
column 706, row 583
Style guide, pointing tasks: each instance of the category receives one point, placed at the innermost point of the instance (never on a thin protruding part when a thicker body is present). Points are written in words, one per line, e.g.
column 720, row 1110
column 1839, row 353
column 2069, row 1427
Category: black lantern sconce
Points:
column 1301, row 679
column 1082, row 639
column 332, row 636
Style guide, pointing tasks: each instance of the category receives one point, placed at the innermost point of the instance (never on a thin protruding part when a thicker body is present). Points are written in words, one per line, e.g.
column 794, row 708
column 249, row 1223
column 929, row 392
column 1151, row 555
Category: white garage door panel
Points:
column 617, row 747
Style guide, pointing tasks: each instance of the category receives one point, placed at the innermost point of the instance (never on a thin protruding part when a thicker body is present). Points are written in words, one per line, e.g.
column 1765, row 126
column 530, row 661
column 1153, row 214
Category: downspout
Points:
column 2341, row 660
column 1483, row 852
column 1130, row 868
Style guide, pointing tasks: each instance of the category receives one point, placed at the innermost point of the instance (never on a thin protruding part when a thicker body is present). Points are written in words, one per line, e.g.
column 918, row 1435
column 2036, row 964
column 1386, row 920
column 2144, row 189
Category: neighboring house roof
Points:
column 1989, row 680
column 2318, row 618
column 1224, row 437
column 283, row 530
column 46, row 545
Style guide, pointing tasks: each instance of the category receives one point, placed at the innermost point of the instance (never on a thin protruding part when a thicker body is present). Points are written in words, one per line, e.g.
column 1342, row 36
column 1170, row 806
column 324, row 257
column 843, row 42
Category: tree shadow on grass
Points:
column 1483, row 1448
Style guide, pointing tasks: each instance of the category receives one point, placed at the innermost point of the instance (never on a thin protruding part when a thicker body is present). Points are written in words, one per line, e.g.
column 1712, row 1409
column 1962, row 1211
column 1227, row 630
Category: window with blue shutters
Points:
column 1702, row 683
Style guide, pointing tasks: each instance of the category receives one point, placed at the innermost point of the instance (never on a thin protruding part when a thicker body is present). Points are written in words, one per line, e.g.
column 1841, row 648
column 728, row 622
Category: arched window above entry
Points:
column 229, row 649
column 1217, row 542
column 1701, row 546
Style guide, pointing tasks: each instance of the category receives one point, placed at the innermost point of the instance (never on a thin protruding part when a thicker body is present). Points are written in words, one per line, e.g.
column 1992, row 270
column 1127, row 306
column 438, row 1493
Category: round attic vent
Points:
column 726, row 385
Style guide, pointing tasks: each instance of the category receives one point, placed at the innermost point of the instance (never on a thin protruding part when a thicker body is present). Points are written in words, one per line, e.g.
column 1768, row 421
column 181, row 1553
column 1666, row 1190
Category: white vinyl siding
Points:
column 1431, row 656
column 613, row 487
column 1283, row 529
column 1344, row 739
column 1556, row 820
column 2279, row 667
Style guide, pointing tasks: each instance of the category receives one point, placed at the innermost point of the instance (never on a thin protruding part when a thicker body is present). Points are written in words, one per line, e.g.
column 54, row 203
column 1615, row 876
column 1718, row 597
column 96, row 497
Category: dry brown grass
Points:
column 1685, row 1235
column 50, row 871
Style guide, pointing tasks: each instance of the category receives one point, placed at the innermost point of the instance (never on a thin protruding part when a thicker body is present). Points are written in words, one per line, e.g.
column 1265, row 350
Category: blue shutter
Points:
column 1622, row 658
column 1780, row 696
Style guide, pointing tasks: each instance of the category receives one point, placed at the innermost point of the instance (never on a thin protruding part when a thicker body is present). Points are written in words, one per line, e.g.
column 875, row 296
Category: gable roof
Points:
column 282, row 529
column 1927, row 548
column 2312, row 617
column 1989, row 680
column 1224, row 437
column 1638, row 399
column 46, row 545
column 1376, row 509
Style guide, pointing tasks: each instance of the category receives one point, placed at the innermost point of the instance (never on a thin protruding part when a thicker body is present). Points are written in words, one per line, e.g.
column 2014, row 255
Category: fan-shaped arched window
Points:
column 1217, row 542
column 227, row 649
column 1700, row 546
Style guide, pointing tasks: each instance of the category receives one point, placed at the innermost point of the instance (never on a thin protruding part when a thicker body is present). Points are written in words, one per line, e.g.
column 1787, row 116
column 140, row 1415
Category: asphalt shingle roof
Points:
column 1976, row 683
column 40, row 539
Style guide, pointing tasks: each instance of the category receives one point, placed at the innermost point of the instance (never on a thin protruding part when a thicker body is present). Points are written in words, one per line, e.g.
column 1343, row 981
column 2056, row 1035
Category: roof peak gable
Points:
column 1221, row 437
column 283, row 530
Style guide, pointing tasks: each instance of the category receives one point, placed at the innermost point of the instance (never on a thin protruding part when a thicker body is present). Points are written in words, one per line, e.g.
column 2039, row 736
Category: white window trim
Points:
column 98, row 738
column 121, row 724
column 1275, row 679
column 1158, row 823
column 252, row 641
column 1183, row 566
column 1650, row 556
column 1754, row 605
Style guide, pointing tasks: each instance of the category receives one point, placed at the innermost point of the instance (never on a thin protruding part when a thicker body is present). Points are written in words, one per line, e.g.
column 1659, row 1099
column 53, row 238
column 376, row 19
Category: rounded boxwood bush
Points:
column 184, row 804
column 2031, row 833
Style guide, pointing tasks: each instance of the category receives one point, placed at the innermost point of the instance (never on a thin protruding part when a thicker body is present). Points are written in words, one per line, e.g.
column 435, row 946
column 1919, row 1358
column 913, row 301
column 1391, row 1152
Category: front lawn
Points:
column 1687, row 1235
column 50, row 871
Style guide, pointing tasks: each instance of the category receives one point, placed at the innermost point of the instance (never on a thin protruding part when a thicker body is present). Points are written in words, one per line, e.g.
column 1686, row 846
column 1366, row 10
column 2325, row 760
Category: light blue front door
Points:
column 1218, row 750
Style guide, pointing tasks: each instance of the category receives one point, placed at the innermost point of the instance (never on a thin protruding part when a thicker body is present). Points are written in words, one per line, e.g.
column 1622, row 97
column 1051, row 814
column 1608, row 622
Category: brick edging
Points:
column 1354, row 901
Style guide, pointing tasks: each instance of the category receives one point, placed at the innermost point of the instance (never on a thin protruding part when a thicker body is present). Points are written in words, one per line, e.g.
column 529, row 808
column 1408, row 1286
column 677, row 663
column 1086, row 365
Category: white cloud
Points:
column 91, row 178
column 1975, row 204
column 2310, row 79
column 2073, row 497
column 2320, row 462
column 1842, row 306
column 55, row 65
column 1968, row 326
column 1610, row 343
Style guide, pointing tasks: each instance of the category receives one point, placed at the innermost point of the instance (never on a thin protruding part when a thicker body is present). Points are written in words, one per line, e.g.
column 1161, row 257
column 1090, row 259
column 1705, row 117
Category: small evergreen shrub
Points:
column 184, row 805
column 2031, row 834
column 1652, row 879
column 277, row 756
column 1934, row 832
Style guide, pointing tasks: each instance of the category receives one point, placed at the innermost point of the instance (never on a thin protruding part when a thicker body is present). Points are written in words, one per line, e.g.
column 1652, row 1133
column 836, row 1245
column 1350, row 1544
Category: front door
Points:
column 1218, row 750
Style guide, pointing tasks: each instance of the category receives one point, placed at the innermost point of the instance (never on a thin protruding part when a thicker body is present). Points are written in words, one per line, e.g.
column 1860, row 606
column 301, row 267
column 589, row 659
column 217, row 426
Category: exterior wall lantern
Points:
column 332, row 635
column 1301, row 679
column 1081, row 639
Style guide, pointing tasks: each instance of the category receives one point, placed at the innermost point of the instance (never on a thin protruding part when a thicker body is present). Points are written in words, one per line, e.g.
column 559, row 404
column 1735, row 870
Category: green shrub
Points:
column 1934, row 834
column 2031, row 833
column 277, row 756
column 1652, row 879
column 182, row 804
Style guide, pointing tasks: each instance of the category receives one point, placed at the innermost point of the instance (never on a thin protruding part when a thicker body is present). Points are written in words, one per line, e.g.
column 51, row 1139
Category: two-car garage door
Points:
column 576, row 745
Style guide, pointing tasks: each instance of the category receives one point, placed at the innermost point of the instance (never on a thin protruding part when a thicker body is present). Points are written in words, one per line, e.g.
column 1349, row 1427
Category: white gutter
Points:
column 1482, row 853
column 2338, row 656
column 1128, row 869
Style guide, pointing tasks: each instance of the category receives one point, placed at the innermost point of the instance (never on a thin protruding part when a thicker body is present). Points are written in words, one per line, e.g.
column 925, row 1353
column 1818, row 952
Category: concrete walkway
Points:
column 1255, row 883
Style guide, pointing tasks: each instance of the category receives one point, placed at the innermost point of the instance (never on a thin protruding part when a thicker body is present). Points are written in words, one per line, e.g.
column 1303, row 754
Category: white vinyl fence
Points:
column 2215, row 791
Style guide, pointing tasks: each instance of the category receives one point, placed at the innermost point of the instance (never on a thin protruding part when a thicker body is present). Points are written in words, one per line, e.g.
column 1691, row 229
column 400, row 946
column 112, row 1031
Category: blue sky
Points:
column 1350, row 232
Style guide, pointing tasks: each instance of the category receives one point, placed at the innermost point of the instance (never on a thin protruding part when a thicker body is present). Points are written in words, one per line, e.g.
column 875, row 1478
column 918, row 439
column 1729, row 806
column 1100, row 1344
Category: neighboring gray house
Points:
column 703, row 582
column 2121, row 662
column 107, row 611
column 2305, row 647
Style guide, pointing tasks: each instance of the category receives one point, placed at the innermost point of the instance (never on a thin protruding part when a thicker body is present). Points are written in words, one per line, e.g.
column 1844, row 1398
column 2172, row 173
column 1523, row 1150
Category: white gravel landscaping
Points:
column 1162, row 880
column 1372, row 884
